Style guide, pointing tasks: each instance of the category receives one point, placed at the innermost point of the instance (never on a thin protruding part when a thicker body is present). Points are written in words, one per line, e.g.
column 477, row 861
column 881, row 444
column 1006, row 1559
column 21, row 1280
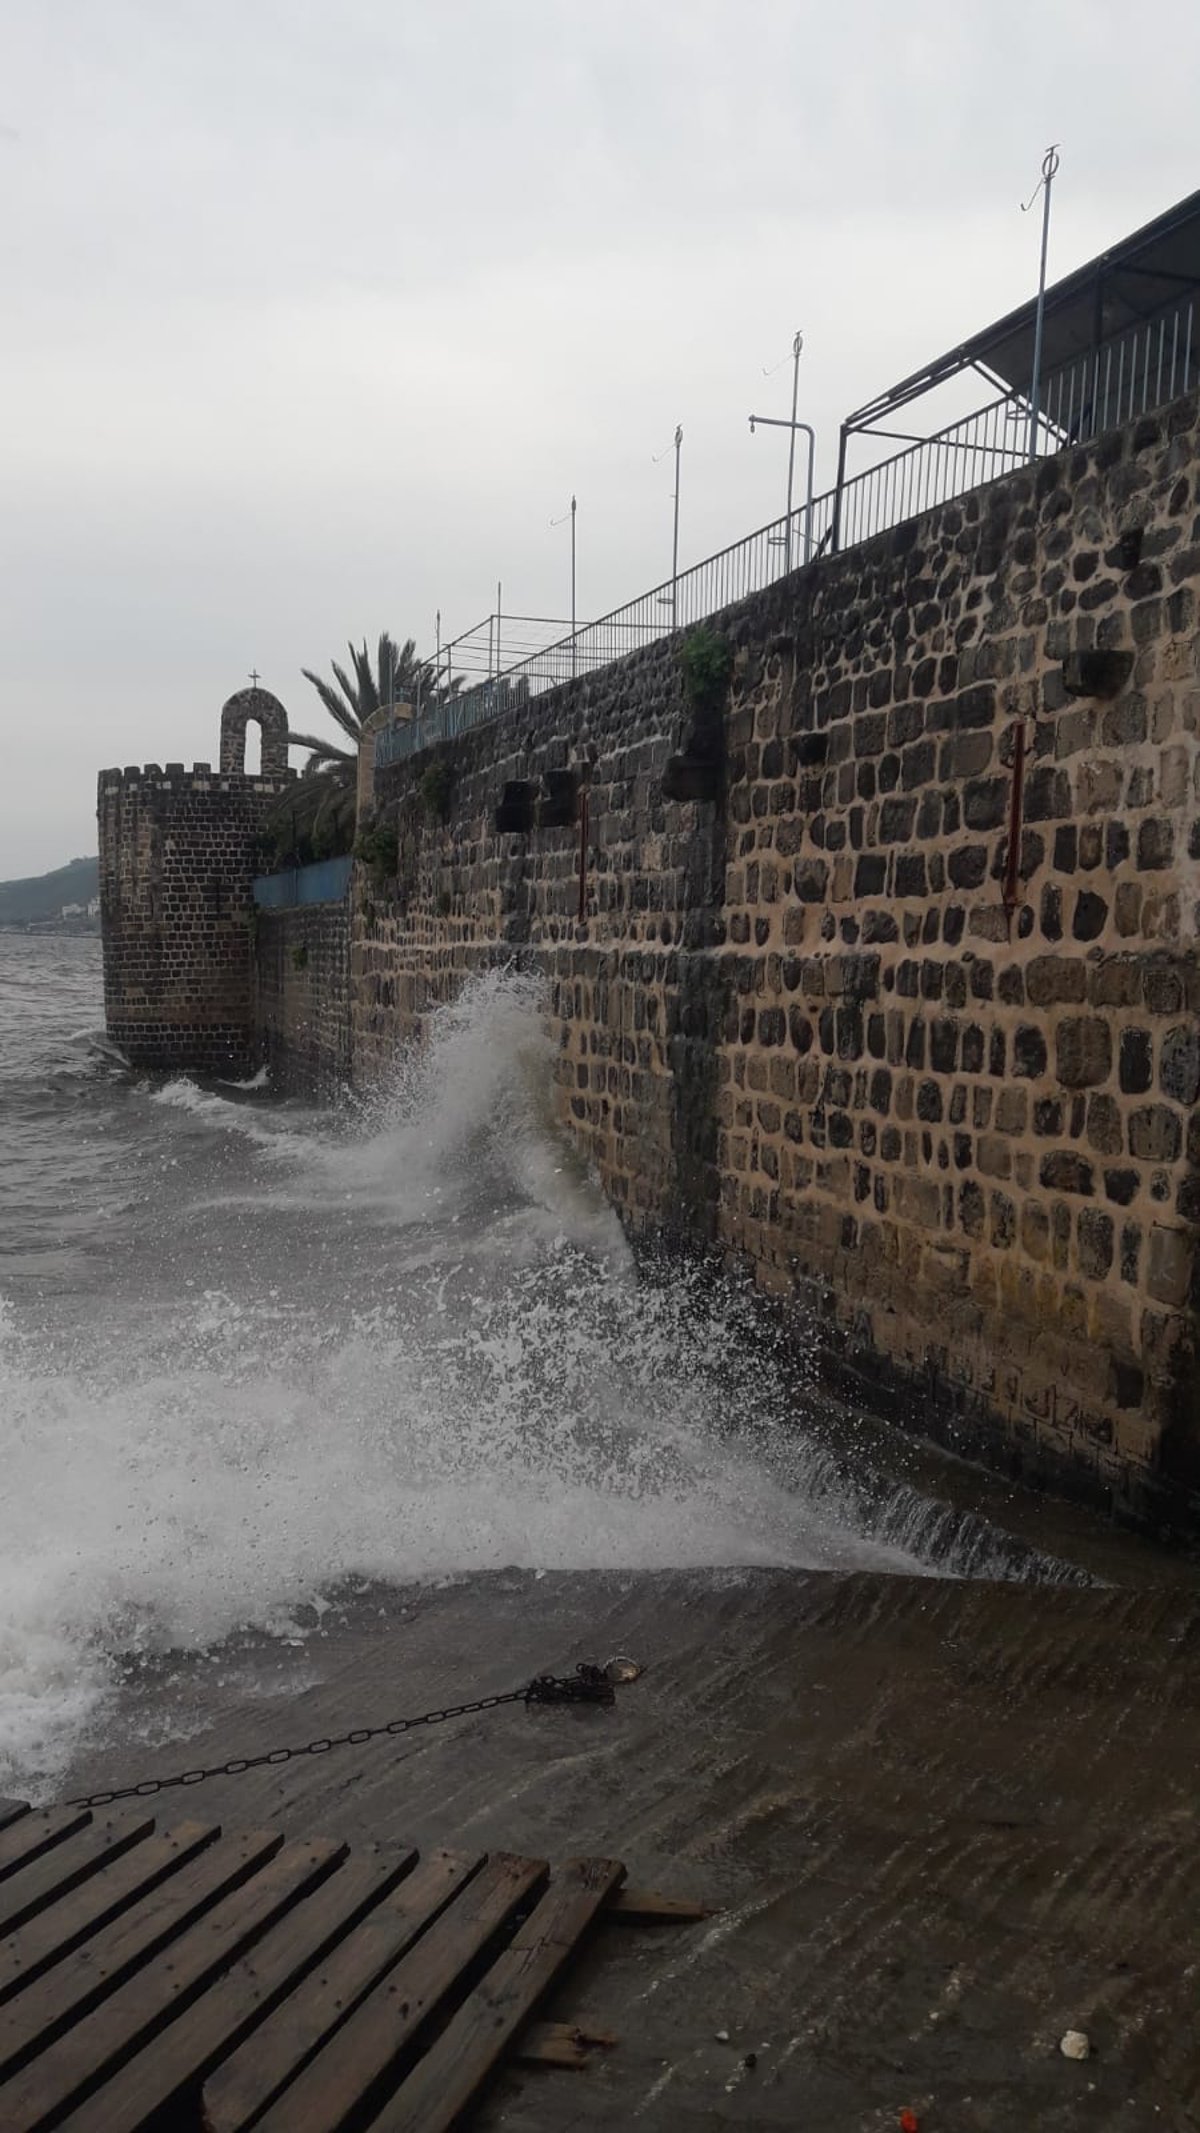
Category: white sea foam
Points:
column 271, row 1130
column 261, row 1080
column 555, row 1426
column 427, row 1354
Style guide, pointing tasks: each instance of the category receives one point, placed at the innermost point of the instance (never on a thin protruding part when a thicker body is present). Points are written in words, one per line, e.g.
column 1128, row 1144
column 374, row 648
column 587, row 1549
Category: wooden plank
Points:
column 356, row 2063
column 56, row 1872
column 277, row 2052
column 91, row 2050
column 64, row 1994
column 32, row 1834
column 47, row 1939
column 170, row 2070
column 11, row 1810
column 647, row 1907
column 452, row 2072
column 564, row 2044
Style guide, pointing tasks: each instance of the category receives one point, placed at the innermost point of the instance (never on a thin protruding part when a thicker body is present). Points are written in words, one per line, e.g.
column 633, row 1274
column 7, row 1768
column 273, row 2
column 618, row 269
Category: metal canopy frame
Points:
column 1130, row 286
column 1082, row 311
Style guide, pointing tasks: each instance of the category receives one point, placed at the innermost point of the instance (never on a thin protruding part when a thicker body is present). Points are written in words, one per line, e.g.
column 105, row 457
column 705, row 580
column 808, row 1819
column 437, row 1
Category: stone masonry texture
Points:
column 798, row 1022
column 302, row 960
column 178, row 852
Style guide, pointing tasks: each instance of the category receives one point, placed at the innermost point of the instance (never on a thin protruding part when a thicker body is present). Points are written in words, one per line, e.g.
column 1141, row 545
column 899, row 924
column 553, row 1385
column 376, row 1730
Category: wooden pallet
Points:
column 188, row 1979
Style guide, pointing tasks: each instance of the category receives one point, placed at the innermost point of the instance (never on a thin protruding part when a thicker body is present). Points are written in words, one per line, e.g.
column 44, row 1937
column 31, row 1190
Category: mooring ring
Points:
column 621, row 1668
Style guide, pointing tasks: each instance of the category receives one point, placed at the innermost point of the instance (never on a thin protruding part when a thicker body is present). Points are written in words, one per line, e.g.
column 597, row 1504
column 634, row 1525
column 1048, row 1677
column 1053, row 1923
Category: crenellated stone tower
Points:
column 179, row 850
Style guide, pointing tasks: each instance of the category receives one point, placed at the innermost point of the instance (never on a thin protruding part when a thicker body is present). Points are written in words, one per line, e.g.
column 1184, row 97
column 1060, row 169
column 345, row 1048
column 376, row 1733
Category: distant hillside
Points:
column 42, row 896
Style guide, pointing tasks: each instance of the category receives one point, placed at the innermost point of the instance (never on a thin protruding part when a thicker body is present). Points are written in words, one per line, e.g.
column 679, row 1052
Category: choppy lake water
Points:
column 257, row 1359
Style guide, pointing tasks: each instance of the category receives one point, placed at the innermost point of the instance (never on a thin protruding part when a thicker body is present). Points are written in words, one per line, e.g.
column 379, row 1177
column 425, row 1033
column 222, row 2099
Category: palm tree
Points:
column 318, row 812
column 398, row 676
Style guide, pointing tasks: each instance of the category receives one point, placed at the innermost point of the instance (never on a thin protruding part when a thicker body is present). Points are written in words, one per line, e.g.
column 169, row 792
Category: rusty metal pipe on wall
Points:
column 583, row 844
column 1012, row 868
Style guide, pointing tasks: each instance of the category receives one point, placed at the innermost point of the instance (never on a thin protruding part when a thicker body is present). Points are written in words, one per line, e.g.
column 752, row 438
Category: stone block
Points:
column 1090, row 915
column 870, row 734
column 1064, row 1171
column 1051, row 980
column 1155, row 1134
column 1012, row 1110
column 1095, row 1243
column 1029, row 1050
column 1155, row 844
column 810, row 749
column 1127, row 908
column 1050, row 912
column 986, row 803
column 1083, row 1052
column 1169, row 1264
column 993, row 1156
column 1121, row 1186
column 1047, row 794
column 1104, row 1127
column 1097, row 673
column 897, row 819
column 1162, row 989
column 1066, row 848
column 1179, row 1064
column 918, row 1200
column 975, row 707
column 810, row 881
column 917, row 765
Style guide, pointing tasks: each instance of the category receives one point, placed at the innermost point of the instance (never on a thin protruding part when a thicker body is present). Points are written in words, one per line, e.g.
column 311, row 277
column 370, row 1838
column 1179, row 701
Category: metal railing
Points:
column 1150, row 364
column 931, row 470
column 482, row 651
column 1142, row 368
column 747, row 566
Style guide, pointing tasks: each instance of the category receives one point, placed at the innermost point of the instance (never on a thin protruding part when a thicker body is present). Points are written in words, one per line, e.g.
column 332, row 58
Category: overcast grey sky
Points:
column 316, row 311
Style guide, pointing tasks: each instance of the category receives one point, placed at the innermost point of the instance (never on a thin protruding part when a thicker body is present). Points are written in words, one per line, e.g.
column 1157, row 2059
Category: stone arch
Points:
column 269, row 715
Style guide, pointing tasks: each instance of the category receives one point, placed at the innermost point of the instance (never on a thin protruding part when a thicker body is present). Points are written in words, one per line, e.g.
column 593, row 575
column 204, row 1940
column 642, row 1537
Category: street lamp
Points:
column 1049, row 168
column 658, row 456
column 559, row 522
column 777, row 422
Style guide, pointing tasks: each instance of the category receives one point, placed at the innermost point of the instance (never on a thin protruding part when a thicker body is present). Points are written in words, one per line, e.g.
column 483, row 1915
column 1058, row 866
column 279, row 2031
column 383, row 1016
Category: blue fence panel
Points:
column 324, row 883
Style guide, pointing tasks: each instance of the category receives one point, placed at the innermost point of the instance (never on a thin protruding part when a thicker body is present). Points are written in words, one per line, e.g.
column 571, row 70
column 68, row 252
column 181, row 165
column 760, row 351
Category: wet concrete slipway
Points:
column 333, row 1419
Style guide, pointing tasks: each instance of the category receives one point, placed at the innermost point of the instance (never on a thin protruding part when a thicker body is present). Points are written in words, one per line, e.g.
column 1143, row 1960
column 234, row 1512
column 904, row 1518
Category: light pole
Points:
column 675, row 534
column 658, row 456
column 797, row 345
column 558, row 522
column 777, row 422
column 1049, row 168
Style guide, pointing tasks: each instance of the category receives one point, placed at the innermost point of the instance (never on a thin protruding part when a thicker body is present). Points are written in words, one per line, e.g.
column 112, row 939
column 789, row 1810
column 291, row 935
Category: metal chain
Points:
column 588, row 1684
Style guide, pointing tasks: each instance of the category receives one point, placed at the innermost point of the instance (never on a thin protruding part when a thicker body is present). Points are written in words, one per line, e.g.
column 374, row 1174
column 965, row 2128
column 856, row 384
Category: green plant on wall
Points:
column 706, row 663
column 378, row 847
column 300, row 956
column 435, row 788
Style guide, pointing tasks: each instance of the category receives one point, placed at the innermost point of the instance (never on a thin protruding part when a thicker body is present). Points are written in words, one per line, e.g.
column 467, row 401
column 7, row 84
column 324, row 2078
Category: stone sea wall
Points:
column 809, row 1014
column 302, row 998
